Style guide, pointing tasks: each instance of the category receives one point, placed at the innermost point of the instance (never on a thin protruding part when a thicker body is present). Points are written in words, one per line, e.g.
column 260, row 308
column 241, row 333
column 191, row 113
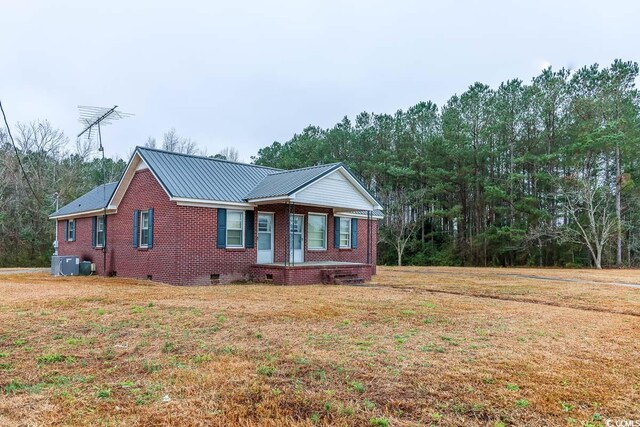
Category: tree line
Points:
column 540, row 173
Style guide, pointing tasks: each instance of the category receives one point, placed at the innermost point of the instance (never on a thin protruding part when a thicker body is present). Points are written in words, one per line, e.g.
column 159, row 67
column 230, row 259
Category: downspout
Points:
column 55, row 243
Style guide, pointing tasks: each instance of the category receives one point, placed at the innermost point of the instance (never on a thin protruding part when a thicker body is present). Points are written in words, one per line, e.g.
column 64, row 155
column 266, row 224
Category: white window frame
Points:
column 143, row 245
column 324, row 247
column 348, row 245
column 69, row 228
column 242, row 221
column 100, row 220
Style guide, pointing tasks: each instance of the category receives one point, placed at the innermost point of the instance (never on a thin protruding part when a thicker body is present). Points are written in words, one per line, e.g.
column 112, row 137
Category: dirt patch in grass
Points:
column 96, row 351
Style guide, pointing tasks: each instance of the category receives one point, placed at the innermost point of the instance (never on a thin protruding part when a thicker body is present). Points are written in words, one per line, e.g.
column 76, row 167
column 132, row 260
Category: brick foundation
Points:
column 304, row 274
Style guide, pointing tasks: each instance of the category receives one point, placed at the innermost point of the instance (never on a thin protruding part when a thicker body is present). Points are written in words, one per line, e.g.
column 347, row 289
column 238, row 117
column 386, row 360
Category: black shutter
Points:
column 354, row 233
column 150, row 245
column 248, row 229
column 66, row 230
column 94, row 220
column 336, row 231
column 135, row 227
column 222, row 228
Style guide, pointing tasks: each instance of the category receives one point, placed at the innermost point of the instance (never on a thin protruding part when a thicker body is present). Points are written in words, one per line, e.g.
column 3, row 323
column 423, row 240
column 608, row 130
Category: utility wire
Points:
column 18, row 156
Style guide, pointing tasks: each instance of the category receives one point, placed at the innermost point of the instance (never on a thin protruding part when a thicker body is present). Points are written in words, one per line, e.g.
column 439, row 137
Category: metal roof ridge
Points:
column 280, row 172
column 138, row 147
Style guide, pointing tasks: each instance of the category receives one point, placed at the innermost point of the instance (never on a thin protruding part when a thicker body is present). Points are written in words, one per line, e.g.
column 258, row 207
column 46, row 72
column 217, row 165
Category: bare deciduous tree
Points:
column 590, row 207
column 229, row 153
column 151, row 142
column 172, row 142
column 401, row 221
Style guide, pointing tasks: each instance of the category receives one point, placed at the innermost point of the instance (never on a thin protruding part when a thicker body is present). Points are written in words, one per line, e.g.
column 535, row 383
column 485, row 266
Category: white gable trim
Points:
column 136, row 163
column 354, row 183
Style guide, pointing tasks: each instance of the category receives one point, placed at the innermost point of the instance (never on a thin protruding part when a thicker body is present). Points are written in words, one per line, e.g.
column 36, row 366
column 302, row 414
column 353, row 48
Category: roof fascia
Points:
column 272, row 199
column 355, row 215
column 84, row 214
column 181, row 201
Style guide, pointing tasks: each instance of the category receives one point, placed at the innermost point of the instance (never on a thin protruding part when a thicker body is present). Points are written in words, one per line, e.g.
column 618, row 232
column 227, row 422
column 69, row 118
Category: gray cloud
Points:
column 247, row 73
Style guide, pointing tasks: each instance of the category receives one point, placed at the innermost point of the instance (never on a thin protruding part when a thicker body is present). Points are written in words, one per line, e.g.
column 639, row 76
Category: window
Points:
column 235, row 229
column 317, row 238
column 71, row 230
column 100, row 231
column 345, row 232
column 144, row 229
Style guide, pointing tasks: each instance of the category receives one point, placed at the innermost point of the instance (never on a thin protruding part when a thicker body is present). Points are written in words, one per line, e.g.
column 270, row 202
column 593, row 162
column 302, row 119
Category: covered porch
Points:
column 319, row 226
column 304, row 244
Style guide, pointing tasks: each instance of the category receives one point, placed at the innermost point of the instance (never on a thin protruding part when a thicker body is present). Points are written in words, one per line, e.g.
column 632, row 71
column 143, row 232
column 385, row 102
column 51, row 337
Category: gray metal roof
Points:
column 93, row 200
column 204, row 178
column 286, row 182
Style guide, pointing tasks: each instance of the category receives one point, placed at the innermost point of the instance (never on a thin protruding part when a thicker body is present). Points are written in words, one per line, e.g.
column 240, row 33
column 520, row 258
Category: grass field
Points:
column 420, row 346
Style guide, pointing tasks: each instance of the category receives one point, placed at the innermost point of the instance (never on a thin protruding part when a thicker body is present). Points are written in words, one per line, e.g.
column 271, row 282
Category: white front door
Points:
column 297, row 238
column 265, row 238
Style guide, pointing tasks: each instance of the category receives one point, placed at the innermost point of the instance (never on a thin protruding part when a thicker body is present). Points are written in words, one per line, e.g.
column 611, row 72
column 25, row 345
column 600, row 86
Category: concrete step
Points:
column 338, row 276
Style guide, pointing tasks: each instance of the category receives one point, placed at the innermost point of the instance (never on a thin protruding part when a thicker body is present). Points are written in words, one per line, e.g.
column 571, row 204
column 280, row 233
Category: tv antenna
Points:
column 93, row 118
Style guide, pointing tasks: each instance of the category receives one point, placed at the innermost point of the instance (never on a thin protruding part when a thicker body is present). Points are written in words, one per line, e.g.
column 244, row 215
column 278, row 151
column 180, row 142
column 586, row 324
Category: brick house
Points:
column 192, row 220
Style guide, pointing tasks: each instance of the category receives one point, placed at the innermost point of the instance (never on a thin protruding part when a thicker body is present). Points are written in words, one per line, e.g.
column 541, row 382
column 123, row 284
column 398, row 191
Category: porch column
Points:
column 288, row 235
column 291, row 255
column 368, row 237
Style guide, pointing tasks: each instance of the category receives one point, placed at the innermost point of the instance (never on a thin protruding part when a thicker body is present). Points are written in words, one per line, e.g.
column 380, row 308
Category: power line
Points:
column 18, row 156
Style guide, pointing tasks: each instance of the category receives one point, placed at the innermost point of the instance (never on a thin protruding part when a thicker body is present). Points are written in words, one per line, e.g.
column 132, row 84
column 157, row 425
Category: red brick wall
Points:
column 184, row 248
column 82, row 245
column 199, row 254
column 162, row 260
column 121, row 257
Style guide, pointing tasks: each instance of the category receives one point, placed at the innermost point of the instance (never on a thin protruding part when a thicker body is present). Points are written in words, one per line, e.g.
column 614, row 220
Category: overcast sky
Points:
column 245, row 74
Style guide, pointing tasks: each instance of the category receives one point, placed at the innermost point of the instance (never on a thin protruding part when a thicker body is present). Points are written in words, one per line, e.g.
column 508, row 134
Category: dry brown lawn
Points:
column 420, row 346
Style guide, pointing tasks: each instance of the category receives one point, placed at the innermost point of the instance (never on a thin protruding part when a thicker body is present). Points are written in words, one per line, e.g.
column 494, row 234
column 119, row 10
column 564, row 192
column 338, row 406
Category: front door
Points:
column 297, row 238
column 265, row 238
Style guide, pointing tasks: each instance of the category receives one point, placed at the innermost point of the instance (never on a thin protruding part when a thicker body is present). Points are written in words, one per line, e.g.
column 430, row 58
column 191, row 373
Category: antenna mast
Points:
column 93, row 118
